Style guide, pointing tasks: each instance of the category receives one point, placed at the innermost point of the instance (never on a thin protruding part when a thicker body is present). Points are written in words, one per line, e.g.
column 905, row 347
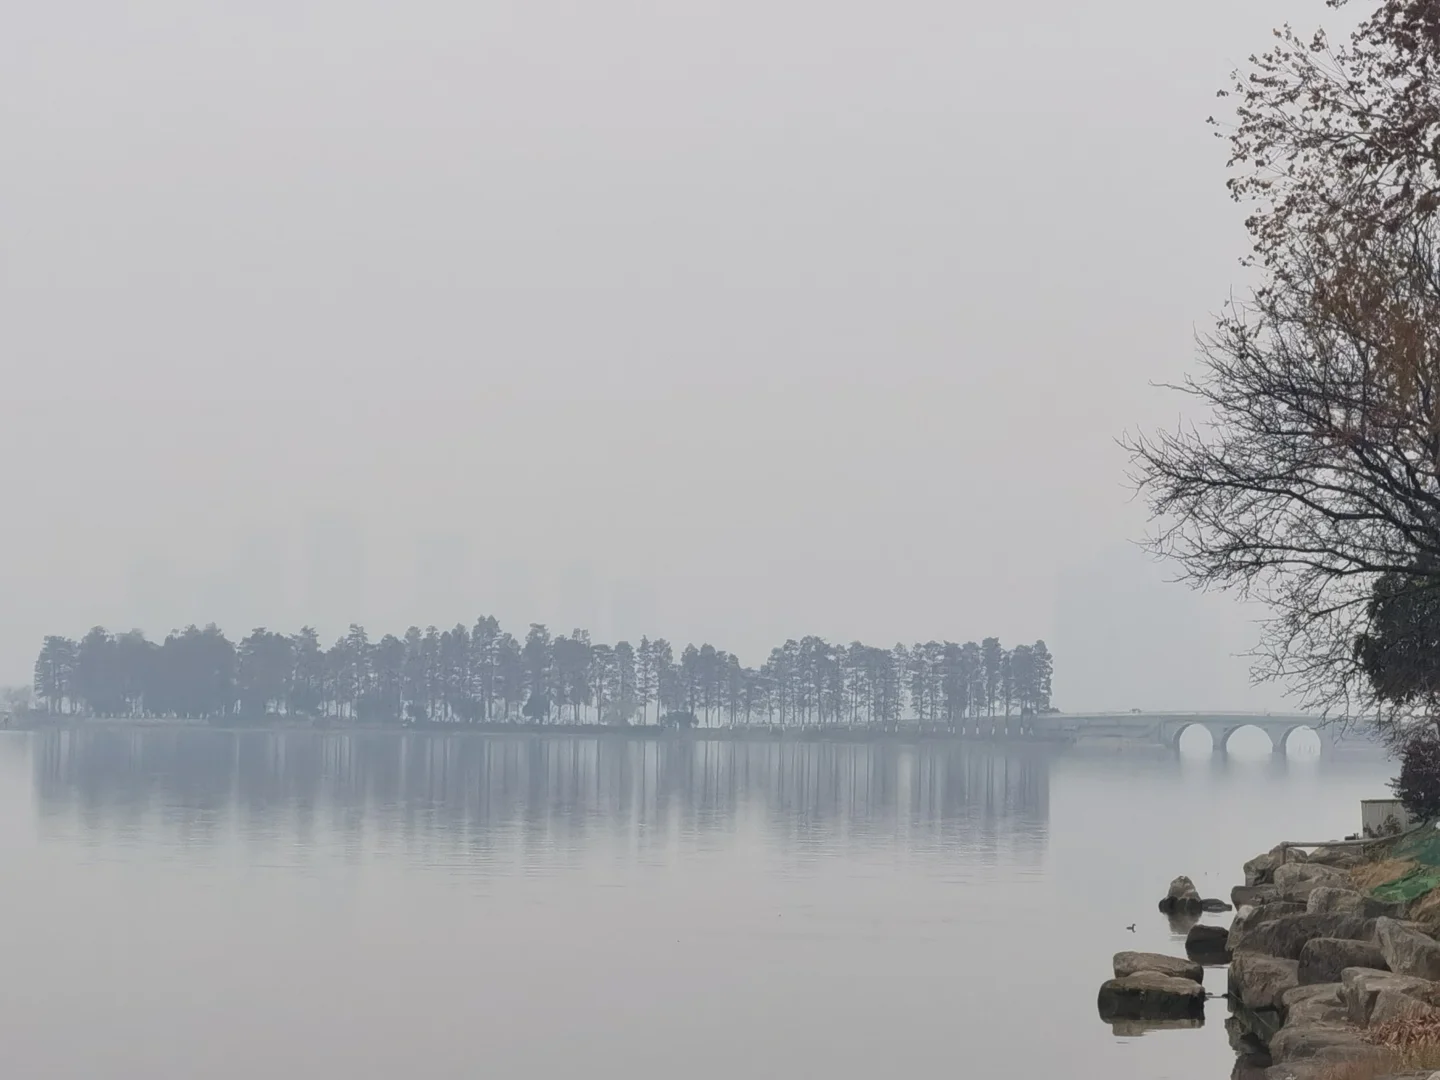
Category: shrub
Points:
column 1418, row 785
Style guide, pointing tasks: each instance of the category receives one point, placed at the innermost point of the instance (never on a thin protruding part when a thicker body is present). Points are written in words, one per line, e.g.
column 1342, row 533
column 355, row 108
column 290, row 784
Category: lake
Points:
column 233, row 906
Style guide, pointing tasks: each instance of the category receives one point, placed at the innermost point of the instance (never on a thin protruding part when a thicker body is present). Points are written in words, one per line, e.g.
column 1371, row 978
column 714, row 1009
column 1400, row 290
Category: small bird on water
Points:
column 1131, row 928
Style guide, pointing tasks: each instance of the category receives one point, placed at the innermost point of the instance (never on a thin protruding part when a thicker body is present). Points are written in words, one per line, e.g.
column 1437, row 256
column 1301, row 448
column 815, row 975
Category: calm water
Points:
column 354, row 906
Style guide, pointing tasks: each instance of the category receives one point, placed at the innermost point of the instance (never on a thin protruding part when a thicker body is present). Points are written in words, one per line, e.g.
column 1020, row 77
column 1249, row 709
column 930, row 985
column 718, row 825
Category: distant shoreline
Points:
column 633, row 731
column 1050, row 740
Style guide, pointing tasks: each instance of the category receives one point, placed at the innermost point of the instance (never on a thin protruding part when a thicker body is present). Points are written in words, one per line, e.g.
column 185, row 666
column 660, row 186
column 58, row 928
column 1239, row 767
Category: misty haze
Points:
column 735, row 540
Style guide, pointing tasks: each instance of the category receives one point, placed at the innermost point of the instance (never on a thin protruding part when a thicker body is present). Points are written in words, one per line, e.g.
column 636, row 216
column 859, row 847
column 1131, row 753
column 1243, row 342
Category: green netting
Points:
column 1417, row 882
column 1422, row 845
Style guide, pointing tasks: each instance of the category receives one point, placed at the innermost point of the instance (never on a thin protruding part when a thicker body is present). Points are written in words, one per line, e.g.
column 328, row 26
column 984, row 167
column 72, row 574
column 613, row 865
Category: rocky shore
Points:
column 1325, row 982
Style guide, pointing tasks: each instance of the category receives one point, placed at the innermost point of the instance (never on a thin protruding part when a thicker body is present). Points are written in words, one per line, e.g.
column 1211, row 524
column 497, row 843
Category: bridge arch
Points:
column 1223, row 734
column 1282, row 745
column 1179, row 730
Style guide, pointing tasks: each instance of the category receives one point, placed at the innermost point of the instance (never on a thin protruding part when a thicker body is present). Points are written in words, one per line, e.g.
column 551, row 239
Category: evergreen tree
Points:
column 465, row 675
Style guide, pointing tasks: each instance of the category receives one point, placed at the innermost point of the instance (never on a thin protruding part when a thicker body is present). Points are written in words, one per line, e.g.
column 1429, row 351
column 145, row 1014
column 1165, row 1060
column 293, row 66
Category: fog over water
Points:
column 305, row 904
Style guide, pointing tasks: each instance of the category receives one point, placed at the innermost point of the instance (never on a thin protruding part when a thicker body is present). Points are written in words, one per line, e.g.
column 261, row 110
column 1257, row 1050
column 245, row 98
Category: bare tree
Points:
column 1311, row 480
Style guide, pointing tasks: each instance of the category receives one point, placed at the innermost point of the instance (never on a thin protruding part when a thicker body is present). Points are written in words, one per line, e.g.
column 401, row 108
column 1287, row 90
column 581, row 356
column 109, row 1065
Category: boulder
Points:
column 1319, row 1004
column 1240, row 1029
column 1323, row 959
column 1393, row 1005
column 1407, row 951
column 1148, row 995
column 1286, row 936
column 1182, row 896
column 1296, row 881
column 1299, row 892
column 1334, row 1042
column 1333, row 900
column 1215, row 906
column 1259, row 981
column 1208, row 944
column 1130, row 963
column 1298, row 871
column 1261, row 869
column 1253, row 895
column 1261, row 1023
column 1322, row 1069
column 1360, row 988
column 1248, row 918
column 1340, row 858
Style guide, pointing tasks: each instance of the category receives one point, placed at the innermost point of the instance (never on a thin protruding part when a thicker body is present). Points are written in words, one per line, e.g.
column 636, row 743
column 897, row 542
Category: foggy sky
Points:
column 718, row 321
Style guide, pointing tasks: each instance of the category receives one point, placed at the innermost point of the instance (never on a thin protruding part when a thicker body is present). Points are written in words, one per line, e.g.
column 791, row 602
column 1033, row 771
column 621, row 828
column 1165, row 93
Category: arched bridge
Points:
column 1165, row 729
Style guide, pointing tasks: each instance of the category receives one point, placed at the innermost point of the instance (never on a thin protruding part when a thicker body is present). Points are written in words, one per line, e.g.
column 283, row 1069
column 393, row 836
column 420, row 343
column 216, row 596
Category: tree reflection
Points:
column 430, row 794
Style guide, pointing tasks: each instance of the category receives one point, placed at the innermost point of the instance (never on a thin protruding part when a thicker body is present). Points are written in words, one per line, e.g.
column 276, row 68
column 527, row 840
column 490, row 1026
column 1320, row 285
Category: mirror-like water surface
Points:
column 197, row 903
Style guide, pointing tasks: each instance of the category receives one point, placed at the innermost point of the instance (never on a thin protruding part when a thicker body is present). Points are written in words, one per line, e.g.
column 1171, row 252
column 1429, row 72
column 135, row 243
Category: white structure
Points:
column 1381, row 816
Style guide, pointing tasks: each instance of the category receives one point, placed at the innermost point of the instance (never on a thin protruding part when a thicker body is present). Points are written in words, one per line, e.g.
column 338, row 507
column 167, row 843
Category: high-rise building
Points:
column 256, row 591
column 442, row 592
column 336, row 572
column 632, row 610
column 579, row 601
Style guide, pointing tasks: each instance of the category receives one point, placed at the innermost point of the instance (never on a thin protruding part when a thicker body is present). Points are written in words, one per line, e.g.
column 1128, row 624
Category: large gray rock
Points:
column 1130, row 963
column 1299, row 892
column 1316, row 1068
column 1393, row 1005
column 1259, row 981
column 1340, row 858
column 1333, row 1042
column 1247, row 918
column 1182, row 896
column 1240, row 1030
column 1407, row 951
column 1152, row 996
column 1286, row 936
column 1253, row 895
column 1319, row 1004
column 1260, row 1023
column 1296, row 881
column 1323, row 959
column 1208, row 944
column 1333, row 900
column 1361, row 988
column 1215, row 907
column 1261, row 869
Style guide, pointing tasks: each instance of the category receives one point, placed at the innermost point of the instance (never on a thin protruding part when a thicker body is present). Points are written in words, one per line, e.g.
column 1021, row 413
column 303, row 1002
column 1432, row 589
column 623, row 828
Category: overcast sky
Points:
column 725, row 321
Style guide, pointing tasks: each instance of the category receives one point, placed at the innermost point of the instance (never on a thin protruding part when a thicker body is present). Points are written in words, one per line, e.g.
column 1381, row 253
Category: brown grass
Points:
column 1418, row 1032
column 1385, row 1064
column 1380, row 1067
column 1372, row 875
column 1410, row 1044
column 1426, row 909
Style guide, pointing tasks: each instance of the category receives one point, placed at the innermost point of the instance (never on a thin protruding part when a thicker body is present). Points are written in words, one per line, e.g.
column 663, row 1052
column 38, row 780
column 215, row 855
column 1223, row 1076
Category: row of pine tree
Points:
column 482, row 674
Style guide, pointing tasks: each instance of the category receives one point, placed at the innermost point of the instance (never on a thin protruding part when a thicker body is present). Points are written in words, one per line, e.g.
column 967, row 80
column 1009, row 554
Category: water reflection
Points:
column 1134, row 1028
column 559, row 793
